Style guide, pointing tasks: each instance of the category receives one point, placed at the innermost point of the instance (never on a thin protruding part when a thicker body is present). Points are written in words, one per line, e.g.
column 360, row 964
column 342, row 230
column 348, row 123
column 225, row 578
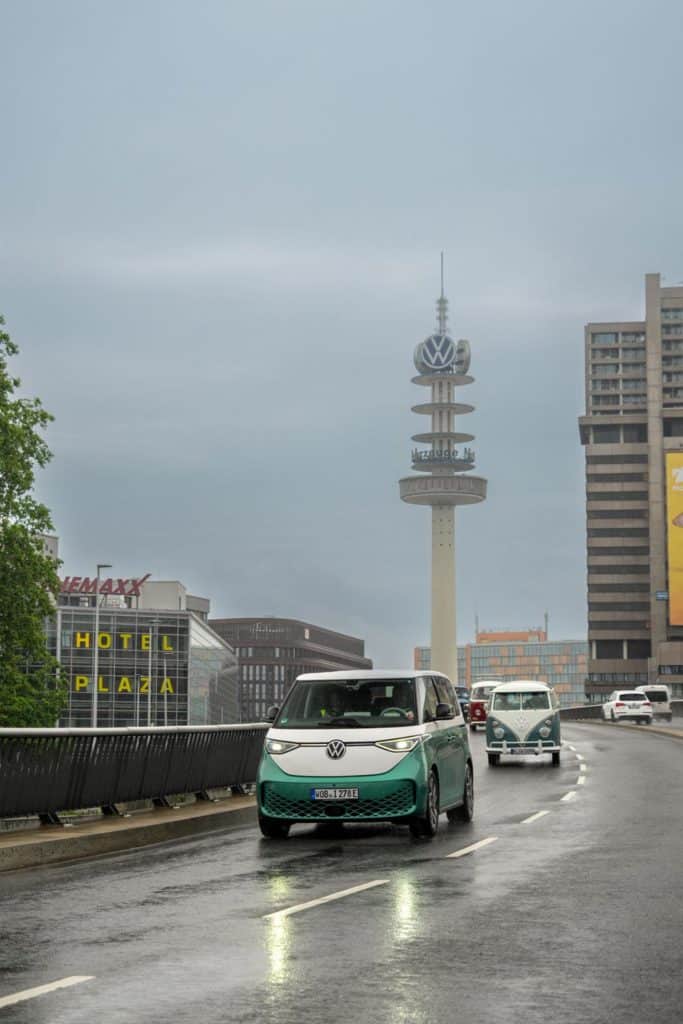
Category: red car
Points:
column 479, row 698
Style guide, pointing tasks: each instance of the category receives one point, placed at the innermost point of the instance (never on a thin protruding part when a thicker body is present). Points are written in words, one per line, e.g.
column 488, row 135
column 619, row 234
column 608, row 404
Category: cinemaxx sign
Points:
column 86, row 585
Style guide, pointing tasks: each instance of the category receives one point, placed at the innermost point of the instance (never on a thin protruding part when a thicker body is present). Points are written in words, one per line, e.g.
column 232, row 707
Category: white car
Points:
column 627, row 705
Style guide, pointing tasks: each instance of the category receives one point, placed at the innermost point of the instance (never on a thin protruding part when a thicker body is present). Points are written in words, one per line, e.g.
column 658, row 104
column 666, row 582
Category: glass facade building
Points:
column 154, row 667
column 561, row 664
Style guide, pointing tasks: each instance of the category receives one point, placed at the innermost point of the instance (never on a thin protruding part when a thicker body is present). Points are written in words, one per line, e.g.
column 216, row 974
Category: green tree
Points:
column 32, row 690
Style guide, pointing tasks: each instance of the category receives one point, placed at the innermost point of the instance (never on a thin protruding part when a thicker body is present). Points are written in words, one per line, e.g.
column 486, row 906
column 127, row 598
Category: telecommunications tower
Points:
column 442, row 366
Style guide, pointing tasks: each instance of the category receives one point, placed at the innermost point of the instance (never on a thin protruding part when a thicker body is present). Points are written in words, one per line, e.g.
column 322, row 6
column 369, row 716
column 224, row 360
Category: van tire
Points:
column 273, row 829
column 473, row 728
column 614, row 717
column 494, row 759
column 556, row 758
column 428, row 825
column 465, row 812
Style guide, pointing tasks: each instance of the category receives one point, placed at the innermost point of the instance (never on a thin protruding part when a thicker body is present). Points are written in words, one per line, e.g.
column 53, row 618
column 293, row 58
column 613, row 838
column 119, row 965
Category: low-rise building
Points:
column 272, row 652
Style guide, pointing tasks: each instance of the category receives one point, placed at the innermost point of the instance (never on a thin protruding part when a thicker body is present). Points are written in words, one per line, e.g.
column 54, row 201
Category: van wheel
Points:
column 614, row 717
column 429, row 824
column 272, row 829
column 473, row 728
column 494, row 759
column 466, row 810
column 556, row 757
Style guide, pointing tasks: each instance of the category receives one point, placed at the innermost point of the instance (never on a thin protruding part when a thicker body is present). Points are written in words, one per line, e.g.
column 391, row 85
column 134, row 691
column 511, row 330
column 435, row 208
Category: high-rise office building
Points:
column 633, row 437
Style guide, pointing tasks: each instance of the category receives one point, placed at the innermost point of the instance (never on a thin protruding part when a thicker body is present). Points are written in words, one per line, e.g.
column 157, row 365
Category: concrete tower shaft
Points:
column 442, row 367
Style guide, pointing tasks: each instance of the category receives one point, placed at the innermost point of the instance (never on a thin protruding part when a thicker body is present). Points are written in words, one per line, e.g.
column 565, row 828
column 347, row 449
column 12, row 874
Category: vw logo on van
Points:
column 336, row 749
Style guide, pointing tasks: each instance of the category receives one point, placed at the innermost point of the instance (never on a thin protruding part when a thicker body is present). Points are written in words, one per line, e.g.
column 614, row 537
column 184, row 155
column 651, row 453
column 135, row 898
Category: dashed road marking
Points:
column 581, row 780
column 288, row 911
column 580, row 757
column 569, row 796
column 534, row 817
column 41, row 990
column 470, row 849
column 582, row 767
column 571, row 747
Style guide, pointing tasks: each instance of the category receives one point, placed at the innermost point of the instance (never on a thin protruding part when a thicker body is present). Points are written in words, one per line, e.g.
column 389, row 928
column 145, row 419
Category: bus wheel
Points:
column 494, row 759
column 273, row 829
column 556, row 757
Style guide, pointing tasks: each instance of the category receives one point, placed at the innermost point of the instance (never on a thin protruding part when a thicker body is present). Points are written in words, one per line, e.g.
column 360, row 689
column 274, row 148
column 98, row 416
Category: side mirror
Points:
column 444, row 711
column 272, row 713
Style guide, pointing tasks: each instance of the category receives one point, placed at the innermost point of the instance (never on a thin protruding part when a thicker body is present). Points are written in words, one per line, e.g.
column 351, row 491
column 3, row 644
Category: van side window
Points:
column 431, row 700
column 444, row 691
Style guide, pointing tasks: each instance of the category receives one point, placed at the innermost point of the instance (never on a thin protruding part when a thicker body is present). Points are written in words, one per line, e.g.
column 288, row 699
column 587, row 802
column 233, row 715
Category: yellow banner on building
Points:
column 674, row 529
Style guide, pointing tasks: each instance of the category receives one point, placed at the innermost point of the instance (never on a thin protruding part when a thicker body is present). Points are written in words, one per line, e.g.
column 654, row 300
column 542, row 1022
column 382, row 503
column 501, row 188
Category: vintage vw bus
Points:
column 366, row 746
column 479, row 698
column 523, row 718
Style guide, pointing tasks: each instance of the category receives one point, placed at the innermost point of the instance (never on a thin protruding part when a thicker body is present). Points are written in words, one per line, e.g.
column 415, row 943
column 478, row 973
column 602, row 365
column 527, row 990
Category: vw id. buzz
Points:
column 366, row 746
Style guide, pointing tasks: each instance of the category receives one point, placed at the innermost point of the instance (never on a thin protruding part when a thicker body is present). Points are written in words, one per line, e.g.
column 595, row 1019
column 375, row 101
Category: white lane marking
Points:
column 569, row 796
column 580, row 757
column 326, row 899
column 534, row 817
column 581, row 780
column 41, row 990
column 470, row 849
column 571, row 747
column 582, row 767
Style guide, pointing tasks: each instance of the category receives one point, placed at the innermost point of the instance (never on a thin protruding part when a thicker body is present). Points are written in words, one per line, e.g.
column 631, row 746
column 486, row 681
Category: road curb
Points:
column 59, row 845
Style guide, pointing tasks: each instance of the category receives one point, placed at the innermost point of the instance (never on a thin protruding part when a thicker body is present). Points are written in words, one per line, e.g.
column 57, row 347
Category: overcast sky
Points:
column 220, row 227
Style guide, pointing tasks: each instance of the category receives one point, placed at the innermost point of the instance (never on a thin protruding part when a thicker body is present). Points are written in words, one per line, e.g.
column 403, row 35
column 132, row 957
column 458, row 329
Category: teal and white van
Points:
column 366, row 746
column 523, row 718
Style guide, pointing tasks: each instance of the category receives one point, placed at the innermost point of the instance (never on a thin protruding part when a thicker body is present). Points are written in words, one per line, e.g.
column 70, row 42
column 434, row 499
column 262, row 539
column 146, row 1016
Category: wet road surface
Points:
column 570, row 911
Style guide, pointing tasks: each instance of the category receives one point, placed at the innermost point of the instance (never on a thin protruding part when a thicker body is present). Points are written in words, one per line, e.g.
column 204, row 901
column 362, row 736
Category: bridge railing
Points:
column 585, row 712
column 45, row 771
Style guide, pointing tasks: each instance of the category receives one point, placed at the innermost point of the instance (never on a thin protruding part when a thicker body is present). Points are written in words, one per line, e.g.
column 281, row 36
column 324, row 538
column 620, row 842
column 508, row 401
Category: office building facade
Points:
column 632, row 433
column 524, row 654
column 272, row 652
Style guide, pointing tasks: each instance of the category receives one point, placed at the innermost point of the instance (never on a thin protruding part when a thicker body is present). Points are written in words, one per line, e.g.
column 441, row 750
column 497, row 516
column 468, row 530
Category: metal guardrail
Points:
column 586, row 712
column 44, row 771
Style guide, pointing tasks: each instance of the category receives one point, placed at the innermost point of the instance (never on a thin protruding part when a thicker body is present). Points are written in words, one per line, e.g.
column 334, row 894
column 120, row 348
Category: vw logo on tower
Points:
column 435, row 354
column 336, row 749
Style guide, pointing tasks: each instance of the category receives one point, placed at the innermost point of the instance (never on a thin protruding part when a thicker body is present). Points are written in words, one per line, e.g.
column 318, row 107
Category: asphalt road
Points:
column 573, row 915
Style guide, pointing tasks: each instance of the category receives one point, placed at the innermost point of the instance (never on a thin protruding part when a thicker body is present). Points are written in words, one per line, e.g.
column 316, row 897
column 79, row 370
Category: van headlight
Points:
column 544, row 731
column 280, row 746
column 399, row 746
column 498, row 732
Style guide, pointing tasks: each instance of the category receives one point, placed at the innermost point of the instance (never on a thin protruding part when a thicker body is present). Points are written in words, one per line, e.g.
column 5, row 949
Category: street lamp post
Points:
column 96, row 650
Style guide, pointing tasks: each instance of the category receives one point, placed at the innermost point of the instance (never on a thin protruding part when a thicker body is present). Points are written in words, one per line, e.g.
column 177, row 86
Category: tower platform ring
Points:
column 443, row 490
column 442, row 435
column 456, row 465
column 428, row 408
column 458, row 380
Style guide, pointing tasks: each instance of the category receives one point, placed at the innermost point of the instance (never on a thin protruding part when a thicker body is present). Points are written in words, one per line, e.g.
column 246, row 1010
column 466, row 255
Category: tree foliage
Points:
column 32, row 691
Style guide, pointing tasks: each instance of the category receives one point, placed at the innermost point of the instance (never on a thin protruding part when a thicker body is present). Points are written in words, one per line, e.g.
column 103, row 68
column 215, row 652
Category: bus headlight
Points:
column 280, row 746
column 498, row 732
column 544, row 731
column 399, row 746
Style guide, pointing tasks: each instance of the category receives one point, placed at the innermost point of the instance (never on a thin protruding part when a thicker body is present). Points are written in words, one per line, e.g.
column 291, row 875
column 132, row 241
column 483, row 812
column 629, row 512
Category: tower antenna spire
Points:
column 442, row 305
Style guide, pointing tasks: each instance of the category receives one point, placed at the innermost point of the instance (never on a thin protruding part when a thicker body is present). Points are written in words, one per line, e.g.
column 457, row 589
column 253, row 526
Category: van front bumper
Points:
column 397, row 795
column 535, row 747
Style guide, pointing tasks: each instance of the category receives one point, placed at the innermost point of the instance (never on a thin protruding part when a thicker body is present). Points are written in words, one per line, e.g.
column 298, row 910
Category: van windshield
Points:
column 352, row 703
column 534, row 701
column 481, row 692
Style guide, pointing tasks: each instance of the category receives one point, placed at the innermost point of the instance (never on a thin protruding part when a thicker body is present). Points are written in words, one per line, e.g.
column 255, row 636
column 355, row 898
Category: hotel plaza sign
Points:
column 120, row 587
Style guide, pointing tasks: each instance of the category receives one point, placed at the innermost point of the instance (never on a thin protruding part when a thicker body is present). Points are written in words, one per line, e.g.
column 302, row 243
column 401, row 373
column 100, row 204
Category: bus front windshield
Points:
column 521, row 701
column 352, row 703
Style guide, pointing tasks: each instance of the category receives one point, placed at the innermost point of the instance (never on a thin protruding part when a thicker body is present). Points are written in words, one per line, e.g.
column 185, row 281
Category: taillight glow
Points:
column 619, row 704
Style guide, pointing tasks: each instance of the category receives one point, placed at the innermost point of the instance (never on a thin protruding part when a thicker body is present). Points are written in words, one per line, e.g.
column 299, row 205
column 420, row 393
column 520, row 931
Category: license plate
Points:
column 634, row 707
column 520, row 750
column 334, row 794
